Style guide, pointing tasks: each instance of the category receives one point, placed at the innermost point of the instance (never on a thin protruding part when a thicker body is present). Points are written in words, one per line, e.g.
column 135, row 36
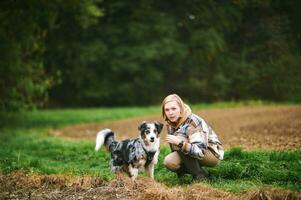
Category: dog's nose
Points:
column 152, row 139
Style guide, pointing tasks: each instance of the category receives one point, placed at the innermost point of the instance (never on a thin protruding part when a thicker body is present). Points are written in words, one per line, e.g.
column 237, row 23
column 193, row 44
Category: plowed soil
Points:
column 266, row 127
column 252, row 127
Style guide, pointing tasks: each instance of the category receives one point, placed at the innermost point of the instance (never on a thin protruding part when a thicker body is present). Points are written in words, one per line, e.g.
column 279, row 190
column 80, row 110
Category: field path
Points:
column 250, row 127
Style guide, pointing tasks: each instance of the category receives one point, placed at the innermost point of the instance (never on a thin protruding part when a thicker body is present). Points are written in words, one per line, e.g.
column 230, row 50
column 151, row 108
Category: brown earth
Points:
column 267, row 127
column 250, row 127
column 21, row 186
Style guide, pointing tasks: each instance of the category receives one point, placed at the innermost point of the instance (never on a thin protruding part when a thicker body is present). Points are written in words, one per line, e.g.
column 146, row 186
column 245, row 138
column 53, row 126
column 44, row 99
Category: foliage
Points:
column 205, row 51
column 24, row 30
column 107, row 53
column 23, row 81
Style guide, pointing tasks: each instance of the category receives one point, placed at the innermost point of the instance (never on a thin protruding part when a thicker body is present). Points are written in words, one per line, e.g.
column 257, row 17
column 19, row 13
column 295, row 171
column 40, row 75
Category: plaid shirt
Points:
column 203, row 138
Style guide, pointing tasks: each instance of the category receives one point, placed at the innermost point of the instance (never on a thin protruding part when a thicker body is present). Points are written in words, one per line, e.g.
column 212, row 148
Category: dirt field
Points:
column 267, row 127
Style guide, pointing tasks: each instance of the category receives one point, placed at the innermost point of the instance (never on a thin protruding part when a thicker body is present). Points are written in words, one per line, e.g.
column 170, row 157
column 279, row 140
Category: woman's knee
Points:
column 209, row 159
column 172, row 161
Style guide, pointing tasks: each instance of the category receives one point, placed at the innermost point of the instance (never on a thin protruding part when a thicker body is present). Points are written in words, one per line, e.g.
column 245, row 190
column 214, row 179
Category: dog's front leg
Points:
column 133, row 172
column 151, row 169
column 151, row 166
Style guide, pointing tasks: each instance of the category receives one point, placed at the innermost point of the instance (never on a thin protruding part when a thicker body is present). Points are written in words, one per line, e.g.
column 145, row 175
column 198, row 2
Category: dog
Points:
column 133, row 155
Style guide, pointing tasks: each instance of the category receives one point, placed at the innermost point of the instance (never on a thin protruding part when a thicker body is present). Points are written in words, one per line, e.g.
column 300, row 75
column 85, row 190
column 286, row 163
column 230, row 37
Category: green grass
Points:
column 63, row 117
column 56, row 118
column 241, row 170
column 34, row 152
column 26, row 146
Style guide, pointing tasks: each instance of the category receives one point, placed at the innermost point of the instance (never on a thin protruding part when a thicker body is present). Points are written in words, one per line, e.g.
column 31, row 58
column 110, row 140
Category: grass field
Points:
column 27, row 147
column 34, row 152
column 61, row 117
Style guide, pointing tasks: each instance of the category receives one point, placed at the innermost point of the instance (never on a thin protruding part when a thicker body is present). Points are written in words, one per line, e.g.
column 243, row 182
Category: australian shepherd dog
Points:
column 133, row 155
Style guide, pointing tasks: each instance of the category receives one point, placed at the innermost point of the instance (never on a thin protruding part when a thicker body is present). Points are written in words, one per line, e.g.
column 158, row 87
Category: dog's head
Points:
column 150, row 131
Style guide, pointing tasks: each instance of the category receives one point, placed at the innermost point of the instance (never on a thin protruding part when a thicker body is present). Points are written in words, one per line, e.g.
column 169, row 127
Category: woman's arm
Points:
column 197, row 143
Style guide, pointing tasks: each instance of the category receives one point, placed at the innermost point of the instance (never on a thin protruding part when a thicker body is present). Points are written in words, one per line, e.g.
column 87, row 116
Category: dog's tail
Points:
column 104, row 137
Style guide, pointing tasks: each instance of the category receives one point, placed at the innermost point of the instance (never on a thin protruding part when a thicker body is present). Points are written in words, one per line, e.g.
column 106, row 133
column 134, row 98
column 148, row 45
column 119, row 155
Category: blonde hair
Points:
column 185, row 110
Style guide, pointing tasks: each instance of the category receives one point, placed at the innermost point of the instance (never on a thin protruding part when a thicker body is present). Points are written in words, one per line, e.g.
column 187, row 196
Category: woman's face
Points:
column 172, row 111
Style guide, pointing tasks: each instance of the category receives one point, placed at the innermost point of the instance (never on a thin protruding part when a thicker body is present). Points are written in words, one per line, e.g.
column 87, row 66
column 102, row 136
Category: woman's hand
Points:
column 172, row 139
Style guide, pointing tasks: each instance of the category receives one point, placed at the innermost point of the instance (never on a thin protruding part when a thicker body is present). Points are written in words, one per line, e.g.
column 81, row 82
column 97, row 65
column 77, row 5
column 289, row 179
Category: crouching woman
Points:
column 193, row 143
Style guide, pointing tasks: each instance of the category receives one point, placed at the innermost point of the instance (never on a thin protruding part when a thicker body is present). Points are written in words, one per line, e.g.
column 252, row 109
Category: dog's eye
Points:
column 147, row 132
column 155, row 131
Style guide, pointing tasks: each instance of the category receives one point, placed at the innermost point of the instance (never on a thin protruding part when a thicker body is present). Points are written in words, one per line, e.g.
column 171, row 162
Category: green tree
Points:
column 24, row 31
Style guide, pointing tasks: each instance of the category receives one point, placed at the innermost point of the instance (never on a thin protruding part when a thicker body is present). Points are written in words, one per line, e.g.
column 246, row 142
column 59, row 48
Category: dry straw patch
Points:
column 271, row 194
column 20, row 186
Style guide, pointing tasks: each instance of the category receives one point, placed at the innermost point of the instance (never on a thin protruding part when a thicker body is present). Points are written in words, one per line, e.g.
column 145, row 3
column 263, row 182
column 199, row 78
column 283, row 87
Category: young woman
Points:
column 193, row 143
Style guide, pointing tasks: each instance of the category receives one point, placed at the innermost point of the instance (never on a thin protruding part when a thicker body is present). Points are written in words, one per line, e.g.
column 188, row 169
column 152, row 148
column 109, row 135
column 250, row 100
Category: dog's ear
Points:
column 159, row 126
column 142, row 126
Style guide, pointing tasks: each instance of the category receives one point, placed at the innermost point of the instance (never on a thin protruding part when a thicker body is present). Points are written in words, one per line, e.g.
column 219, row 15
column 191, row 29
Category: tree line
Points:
column 114, row 53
